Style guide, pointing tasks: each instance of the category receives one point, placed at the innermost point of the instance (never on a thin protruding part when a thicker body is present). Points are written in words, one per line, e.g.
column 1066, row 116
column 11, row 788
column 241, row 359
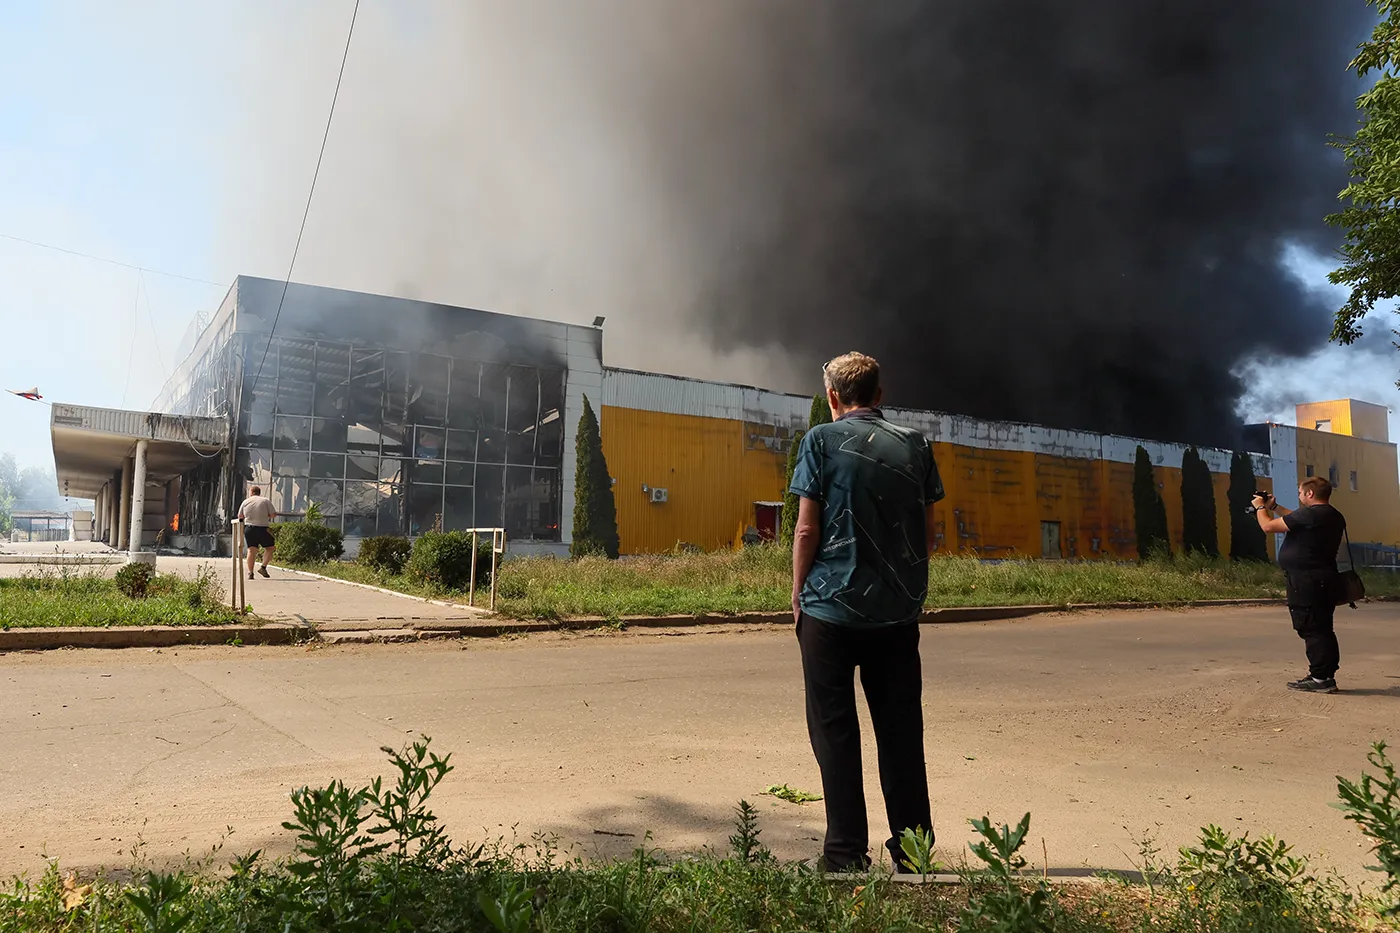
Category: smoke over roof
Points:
column 1065, row 212
column 1068, row 212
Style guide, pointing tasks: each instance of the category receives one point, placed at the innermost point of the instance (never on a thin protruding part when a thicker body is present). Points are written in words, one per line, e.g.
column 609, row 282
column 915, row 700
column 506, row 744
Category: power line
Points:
column 115, row 262
column 312, row 193
column 135, row 325
column 150, row 316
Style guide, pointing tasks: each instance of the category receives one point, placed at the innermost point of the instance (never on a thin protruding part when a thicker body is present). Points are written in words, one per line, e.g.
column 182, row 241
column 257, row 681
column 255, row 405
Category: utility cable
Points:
column 114, row 262
column 135, row 325
column 312, row 193
column 150, row 316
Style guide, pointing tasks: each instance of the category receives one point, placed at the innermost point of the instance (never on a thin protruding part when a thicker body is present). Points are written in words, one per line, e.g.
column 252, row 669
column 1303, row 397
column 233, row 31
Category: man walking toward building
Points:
column 1312, row 537
column 860, row 552
column 257, row 514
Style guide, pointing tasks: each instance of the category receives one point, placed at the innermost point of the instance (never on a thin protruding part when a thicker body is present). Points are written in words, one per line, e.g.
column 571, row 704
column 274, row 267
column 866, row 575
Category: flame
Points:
column 175, row 522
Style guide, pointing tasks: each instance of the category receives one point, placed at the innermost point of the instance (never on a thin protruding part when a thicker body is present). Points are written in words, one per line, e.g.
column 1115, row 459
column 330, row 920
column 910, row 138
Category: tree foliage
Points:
column 1198, row 526
column 820, row 413
column 595, row 510
column 1149, row 511
column 789, row 525
column 1371, row 215
column 1246, row 537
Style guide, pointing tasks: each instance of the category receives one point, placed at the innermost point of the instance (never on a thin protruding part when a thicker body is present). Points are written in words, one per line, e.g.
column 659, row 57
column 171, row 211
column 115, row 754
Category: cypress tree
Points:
column 820, row 413
column 1149, row 511
column 595, row 511
column 1197, row 506
column 789, row 524
column 1246, row 537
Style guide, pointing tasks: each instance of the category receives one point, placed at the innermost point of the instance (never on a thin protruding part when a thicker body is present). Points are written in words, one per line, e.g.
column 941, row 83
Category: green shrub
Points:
column 385, row 553
column 443, row 559
column 1374, row 805
column 134, row 580
column 307, row 543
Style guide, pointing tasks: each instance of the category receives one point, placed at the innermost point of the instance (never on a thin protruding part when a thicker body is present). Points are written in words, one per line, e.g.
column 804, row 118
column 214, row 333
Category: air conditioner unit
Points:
column 658, row 495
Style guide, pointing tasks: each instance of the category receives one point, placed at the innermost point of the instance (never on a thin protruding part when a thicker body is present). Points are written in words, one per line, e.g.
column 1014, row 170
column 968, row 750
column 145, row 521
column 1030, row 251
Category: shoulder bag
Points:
column 1352, row 588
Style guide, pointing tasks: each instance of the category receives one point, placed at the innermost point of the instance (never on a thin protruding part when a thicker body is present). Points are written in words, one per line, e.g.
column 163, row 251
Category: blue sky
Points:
column 182, row 136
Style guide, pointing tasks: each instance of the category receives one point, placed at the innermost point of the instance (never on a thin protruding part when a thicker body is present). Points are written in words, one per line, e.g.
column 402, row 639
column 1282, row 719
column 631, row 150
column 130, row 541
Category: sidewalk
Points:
column 287, row 596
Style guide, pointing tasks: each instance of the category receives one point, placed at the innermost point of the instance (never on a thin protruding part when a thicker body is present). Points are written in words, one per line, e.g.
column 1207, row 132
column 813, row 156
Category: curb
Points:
column 284, row 633
column 149, row 636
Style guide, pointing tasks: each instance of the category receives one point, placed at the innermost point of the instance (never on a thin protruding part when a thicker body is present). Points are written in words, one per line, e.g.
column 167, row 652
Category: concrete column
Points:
column 138, row 497
column 114, row 498
column 97, row 515
column 123, row 538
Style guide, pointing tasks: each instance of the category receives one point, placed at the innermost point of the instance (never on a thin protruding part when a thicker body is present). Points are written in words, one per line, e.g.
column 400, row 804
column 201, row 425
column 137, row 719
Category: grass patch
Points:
column 759, row 579
column 375, row 858
column 69, row 596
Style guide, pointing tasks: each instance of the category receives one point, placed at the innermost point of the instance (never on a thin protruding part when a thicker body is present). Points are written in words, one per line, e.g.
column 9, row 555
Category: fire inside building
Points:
column 395, row 416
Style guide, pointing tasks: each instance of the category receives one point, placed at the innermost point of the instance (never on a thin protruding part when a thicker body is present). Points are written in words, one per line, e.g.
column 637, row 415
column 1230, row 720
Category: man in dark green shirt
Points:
column 866, row 490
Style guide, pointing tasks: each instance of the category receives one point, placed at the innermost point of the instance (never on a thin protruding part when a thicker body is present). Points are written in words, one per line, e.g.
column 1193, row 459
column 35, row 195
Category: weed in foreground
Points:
column 375, row 858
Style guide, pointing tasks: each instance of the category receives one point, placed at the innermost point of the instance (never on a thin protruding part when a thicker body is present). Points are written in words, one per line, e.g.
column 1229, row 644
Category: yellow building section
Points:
column 1364, row 474
column 999, row 503
column 711, row 473
column 1022, row 504
column 1345, row 416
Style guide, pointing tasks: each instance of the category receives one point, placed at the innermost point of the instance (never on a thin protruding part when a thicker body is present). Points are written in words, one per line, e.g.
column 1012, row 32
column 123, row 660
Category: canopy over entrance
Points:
column 91, row 444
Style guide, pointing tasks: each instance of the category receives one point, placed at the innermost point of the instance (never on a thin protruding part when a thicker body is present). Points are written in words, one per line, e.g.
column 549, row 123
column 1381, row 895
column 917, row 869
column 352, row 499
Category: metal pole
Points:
column 493, row 562
column 233, row 584
column 242, row 580
column 471, row 589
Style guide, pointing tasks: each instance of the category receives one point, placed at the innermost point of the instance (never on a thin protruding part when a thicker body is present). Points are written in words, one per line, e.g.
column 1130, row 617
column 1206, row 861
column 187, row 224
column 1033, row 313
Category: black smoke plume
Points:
column 1062, row 211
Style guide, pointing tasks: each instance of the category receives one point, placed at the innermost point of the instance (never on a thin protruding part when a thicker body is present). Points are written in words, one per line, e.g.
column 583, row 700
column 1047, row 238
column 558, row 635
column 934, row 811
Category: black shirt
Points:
column 1314, row 537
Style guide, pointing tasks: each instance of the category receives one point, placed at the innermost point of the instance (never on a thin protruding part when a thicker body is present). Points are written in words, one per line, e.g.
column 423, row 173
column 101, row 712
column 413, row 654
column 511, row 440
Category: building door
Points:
column 1050, row 540
column 765, row 518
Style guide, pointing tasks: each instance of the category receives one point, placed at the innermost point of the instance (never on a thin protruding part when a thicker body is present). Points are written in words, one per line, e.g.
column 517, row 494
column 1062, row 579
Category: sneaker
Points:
column 263, row 570
column 251, row 576
column 1314, row 685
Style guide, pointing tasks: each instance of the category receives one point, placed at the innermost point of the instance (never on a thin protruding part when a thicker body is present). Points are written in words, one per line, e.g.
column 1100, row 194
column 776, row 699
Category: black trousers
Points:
column 893, row 682
column 1312, row 602
column 1314, row 625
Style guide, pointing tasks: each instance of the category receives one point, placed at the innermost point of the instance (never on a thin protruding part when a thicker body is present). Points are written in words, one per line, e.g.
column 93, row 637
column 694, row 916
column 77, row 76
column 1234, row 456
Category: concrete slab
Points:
column 1102, row 725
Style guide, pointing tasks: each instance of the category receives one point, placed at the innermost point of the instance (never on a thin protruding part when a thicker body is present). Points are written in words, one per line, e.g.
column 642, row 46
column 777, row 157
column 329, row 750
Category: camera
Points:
column 1266, row 496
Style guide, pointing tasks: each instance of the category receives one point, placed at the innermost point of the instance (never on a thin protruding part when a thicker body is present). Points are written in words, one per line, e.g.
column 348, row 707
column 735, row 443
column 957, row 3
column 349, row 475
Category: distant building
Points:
column 395, row 416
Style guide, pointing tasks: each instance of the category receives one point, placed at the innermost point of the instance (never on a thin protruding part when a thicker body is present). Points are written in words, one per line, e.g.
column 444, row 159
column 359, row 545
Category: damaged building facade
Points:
column 394, row 416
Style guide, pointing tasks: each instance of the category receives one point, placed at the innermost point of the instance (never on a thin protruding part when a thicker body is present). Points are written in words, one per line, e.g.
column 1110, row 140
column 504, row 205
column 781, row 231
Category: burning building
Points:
column 395, row 416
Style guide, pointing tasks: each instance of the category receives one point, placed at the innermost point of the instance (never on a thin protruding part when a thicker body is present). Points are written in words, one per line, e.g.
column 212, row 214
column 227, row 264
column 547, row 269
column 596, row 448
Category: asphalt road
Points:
column 1103, row 726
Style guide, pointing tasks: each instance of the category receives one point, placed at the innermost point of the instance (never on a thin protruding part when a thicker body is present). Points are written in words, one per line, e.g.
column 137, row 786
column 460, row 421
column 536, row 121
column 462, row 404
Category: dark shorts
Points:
column 258, row 536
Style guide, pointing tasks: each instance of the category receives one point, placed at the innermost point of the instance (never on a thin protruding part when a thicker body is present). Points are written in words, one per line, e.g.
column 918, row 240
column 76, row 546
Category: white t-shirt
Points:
column 257, row 511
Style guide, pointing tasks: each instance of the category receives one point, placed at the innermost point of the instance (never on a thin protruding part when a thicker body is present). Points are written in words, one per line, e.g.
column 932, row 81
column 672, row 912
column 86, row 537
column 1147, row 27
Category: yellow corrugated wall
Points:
column 1373, row 510
column 996, row 499
column 711, row 474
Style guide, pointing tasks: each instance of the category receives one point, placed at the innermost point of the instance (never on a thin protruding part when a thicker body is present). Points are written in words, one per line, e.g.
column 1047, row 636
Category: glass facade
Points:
column 389, row 442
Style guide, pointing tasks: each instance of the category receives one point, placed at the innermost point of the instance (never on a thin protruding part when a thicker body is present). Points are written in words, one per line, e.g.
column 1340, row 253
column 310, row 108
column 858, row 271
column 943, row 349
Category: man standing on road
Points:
column 1312, row 537
column 257, row 515
column 866, row 490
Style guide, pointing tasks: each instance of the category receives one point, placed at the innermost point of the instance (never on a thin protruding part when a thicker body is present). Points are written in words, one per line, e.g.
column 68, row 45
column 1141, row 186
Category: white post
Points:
column 493, row 564
column 471, row 589
column 237, row 575
column 138, row 499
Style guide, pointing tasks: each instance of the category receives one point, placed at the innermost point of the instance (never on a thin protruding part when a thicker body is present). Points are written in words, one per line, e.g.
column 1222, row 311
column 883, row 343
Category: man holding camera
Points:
column 1312, row 537
column 860, row 552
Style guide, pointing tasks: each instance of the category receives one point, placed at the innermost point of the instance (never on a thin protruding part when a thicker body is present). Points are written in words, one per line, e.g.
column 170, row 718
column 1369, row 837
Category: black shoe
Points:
column 263, row 570
column 250, row 575
column 857, row 866
column 1314, row 685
